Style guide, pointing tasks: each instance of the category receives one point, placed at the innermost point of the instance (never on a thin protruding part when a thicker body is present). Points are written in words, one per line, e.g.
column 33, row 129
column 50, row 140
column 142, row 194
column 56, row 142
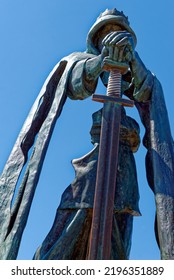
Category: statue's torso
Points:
column 80, row 193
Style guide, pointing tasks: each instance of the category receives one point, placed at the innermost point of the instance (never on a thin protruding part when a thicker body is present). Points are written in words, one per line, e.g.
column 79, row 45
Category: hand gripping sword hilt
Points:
column 116, row 69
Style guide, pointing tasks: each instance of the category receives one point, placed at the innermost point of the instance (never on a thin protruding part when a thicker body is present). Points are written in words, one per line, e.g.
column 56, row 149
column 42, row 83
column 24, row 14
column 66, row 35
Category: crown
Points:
column 114, row 12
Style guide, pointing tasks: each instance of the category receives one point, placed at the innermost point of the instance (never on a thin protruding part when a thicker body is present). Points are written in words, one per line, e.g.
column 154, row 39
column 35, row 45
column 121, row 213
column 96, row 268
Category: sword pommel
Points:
column 110, row 64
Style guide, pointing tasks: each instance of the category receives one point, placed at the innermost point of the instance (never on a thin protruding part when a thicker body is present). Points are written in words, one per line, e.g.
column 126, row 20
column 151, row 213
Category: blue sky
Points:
column 35, row 35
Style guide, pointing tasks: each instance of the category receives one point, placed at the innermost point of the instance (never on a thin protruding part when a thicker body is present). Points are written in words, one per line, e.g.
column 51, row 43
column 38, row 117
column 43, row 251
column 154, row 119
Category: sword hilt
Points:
column 116, row 69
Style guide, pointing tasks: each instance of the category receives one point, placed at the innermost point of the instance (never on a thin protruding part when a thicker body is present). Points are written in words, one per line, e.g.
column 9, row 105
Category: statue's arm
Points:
column 142, row 80
column 143, row 84
column 83, row 78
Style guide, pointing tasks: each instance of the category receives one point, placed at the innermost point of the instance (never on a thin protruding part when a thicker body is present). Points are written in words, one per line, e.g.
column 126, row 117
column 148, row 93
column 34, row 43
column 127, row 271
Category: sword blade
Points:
column 101, row 230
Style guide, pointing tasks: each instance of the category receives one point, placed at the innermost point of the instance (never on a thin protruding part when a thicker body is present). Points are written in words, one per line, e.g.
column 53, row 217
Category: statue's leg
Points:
column 121, row 235
column 68, row 237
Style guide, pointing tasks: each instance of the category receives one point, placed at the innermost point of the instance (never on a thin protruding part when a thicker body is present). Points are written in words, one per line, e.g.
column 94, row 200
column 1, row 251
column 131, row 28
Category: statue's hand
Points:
column 119, row 46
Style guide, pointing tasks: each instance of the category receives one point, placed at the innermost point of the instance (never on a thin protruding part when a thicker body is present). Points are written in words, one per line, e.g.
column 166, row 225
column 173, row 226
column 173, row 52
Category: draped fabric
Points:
column 35, row 133
column 160, row 166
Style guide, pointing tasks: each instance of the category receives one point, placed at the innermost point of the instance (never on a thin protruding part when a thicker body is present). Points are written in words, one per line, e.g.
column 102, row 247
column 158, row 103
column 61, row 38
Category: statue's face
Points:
column 101, row 34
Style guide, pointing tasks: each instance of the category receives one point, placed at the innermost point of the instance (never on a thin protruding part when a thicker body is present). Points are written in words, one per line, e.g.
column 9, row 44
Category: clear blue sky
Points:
column 35, row 35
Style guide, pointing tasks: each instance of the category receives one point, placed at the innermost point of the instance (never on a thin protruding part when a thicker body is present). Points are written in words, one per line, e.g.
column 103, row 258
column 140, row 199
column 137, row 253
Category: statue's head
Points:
column 108, row 21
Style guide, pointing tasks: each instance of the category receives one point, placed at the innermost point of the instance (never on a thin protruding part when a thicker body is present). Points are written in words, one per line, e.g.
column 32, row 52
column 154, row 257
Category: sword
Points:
column 103, row 210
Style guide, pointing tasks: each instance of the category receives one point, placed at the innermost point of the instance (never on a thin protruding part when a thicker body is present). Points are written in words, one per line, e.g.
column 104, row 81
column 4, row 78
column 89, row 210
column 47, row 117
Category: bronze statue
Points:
column 76, row 76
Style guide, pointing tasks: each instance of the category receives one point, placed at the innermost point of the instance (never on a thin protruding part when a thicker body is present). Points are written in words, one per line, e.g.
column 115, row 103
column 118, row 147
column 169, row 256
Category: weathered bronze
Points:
column 76, row 77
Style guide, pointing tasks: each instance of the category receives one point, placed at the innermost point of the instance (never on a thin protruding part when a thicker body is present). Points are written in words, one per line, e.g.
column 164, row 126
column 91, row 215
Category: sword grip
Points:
column 114, row 84
column 116, row 69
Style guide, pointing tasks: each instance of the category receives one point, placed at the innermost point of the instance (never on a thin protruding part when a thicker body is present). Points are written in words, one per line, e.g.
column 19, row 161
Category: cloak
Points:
column 160, row 166
column 36, row 132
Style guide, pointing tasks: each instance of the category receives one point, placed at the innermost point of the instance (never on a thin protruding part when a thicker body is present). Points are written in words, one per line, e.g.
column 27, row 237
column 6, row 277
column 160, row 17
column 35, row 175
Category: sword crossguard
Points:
column 106, row 98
